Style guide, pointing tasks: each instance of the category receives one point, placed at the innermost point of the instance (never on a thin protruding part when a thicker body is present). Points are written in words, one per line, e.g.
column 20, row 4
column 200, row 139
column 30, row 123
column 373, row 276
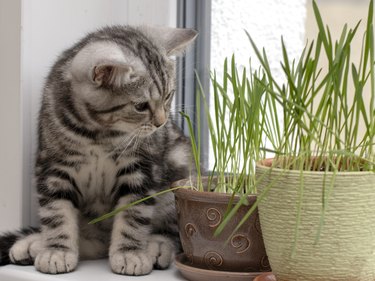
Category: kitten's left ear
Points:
column 112, row 74
column 174, row 40
column 104, row 64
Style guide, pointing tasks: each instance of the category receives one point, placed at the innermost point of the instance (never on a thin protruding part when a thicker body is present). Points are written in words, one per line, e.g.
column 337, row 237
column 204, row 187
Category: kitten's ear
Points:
column 103, row 64
column 175, row 40
column 113, row 75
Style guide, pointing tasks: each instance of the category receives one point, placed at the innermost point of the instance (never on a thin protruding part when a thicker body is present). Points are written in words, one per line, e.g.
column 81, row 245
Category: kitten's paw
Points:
column 131, row 263
column 162, row 250
column 56, row 261
column 25, row 250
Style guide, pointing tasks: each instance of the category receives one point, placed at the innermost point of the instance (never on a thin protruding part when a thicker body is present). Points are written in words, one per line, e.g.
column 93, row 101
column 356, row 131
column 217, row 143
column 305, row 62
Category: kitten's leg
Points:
column 164, row 241
column 60, row 234
column 161, row 249
column 128, row 253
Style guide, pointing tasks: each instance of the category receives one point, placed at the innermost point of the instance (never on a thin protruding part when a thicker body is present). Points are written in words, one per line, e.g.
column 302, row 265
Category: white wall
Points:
column 48, row 27
column 265, row 20
column 10, row 117
column 336, row 14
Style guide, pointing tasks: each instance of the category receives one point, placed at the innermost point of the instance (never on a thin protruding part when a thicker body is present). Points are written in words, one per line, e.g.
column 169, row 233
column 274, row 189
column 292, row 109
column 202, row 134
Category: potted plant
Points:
column 317, row 202
column 235, row 126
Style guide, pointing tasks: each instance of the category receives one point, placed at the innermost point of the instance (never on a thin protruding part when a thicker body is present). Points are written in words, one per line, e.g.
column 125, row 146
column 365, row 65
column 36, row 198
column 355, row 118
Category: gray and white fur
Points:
column 106, row 139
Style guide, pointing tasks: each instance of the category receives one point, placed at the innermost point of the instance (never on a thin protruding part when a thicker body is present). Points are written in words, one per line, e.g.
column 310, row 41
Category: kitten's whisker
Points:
column 128, row 144
column 136, row 140
column 149, row 144
column 118, row 147
column 180, row 105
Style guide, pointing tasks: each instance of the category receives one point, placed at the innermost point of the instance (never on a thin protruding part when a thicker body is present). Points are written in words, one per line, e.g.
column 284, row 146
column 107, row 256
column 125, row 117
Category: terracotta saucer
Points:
column 198, row 274
column 266, row 277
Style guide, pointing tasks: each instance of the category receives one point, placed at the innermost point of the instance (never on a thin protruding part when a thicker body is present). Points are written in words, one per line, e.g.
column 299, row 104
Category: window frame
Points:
column 195, row 14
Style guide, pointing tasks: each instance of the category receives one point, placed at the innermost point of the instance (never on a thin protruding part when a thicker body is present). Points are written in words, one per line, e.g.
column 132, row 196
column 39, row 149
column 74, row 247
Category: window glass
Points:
column 266, row 21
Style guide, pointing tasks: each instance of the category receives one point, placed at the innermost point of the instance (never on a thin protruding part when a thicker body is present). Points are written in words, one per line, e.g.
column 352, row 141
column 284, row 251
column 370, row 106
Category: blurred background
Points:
column 34, row 32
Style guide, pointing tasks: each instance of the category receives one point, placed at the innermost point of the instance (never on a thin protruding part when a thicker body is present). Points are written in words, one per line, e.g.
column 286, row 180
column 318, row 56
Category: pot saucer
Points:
column 266, row 277
column 199, row 274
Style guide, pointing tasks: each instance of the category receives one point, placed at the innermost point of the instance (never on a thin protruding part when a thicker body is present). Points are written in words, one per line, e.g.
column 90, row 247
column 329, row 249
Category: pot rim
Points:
column 266, row 163
column 206, row 196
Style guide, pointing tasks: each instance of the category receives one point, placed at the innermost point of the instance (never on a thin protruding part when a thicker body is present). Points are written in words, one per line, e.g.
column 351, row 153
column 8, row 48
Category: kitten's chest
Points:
column 97, row 176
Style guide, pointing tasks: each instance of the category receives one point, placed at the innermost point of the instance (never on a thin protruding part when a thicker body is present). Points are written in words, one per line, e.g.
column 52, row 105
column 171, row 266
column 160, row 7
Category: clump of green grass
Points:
column 236, row 120
column 321, row 118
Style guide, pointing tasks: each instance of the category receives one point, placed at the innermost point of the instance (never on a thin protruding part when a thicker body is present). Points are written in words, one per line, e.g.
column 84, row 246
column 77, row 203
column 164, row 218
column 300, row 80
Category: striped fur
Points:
column 106, row 139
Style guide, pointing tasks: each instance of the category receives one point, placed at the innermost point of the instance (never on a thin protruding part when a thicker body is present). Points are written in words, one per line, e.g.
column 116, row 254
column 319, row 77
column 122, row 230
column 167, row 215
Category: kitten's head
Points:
column 124, row 78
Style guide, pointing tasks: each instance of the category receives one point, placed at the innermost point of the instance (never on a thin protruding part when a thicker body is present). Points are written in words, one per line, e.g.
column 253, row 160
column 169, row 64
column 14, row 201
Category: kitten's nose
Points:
column 159, row 123
column 159, row 119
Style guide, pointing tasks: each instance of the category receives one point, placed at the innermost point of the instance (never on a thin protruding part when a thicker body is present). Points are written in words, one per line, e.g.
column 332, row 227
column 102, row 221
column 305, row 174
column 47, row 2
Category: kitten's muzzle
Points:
column 158, row 125
column 159, row 119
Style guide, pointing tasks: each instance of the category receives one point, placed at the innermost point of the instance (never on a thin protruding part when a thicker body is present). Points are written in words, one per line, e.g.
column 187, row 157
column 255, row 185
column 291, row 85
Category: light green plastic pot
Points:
column 345, row 250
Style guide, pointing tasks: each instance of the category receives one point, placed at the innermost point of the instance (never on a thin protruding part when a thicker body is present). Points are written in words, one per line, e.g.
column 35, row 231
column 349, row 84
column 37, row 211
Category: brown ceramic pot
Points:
column 199, row 214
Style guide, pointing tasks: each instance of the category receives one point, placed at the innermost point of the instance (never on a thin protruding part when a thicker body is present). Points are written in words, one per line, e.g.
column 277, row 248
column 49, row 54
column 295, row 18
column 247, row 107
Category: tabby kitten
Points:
column 105, row 140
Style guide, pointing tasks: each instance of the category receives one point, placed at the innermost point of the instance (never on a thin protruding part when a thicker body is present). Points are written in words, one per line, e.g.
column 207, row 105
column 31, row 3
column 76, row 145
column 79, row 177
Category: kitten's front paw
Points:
column 131, row 263
column 56, row 261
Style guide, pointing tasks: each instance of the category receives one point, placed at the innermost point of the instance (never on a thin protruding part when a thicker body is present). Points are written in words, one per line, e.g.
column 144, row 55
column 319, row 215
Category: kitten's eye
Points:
column 169, row 95
column 141, row 106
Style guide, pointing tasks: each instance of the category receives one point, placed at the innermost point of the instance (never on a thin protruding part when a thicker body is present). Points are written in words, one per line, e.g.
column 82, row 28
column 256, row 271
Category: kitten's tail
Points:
column 8, row 239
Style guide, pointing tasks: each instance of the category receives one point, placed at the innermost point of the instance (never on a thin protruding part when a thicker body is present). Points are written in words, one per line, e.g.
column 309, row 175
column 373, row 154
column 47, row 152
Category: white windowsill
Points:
column 97, row 270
